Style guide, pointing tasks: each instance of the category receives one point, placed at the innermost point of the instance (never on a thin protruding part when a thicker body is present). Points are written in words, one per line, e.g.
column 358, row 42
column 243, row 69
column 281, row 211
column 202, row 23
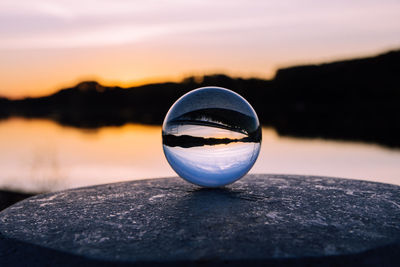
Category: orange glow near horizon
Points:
column 39, row 82
column 41, row 155
column 46, row 72
column 46, row 46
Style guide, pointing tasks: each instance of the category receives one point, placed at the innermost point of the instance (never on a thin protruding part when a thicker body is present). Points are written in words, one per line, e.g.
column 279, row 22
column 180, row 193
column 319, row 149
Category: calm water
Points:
column 40, row 155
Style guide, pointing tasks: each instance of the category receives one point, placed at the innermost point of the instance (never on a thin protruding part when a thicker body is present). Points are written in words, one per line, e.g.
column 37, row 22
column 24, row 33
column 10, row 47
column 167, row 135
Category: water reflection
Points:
column 40, row 155
column 227, row 161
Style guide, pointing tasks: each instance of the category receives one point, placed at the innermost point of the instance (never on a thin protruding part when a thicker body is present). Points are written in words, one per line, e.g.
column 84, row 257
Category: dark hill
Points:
column 353, row 100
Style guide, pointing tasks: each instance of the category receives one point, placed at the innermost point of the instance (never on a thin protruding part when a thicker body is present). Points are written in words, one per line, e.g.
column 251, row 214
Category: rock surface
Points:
column 273, row 219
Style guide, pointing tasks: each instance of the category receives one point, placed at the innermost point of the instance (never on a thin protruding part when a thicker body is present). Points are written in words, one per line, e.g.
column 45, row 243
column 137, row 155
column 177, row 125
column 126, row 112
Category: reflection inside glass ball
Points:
column 211, row 136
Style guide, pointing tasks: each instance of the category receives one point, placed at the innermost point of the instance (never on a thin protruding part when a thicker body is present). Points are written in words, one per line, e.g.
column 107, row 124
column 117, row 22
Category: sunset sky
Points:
column 46, row 45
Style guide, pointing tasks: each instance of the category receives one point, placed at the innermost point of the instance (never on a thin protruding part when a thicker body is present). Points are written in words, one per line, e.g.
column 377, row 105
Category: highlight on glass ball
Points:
column 211, row 136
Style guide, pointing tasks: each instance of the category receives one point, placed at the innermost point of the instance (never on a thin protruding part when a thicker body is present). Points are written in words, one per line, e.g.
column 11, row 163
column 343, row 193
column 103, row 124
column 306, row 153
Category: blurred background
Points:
column 85, row 85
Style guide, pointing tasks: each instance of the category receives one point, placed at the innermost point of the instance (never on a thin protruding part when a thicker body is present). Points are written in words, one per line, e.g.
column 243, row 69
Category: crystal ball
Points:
column 211, row 136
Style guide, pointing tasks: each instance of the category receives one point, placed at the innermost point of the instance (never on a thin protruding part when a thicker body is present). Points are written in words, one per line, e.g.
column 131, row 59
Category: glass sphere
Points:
column 211, row 136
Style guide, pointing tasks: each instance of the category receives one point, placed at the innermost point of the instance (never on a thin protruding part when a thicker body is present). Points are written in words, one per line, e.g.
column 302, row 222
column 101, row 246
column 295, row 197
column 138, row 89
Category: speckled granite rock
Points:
column 274, row 219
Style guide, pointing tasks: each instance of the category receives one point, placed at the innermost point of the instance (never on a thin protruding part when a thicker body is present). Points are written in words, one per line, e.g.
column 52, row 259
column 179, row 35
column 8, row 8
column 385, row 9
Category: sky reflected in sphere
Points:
column 211, row 136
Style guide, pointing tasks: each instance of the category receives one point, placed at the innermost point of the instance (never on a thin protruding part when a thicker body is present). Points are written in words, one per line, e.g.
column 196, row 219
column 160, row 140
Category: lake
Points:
column 41, row 155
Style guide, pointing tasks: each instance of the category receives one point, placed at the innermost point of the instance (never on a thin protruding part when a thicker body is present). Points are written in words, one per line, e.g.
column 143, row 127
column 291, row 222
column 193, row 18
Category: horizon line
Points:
column 180, row 78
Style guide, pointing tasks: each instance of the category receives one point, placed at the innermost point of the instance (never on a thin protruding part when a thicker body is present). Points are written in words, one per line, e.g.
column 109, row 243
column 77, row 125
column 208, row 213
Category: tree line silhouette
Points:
column 354, row 99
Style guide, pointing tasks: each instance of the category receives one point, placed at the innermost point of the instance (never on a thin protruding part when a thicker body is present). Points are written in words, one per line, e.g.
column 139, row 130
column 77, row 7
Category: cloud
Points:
column 73, row 23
